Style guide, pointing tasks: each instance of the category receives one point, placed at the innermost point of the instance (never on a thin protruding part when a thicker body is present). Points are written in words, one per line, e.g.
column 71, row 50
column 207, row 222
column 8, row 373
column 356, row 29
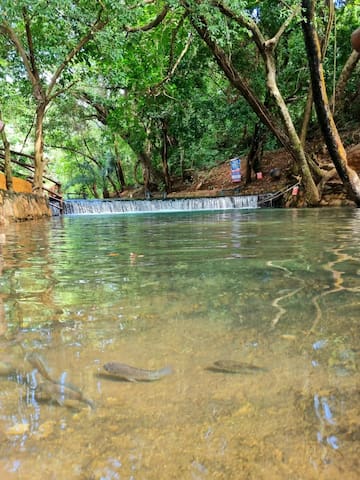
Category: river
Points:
column 270, row 288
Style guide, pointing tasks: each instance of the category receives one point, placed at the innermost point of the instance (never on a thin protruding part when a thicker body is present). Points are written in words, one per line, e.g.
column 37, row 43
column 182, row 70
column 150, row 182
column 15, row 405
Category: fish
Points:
column 133, row 374
column 230, row 366
column 12, row 372
column 7, row 369
column 39, row 363
column 60, row 394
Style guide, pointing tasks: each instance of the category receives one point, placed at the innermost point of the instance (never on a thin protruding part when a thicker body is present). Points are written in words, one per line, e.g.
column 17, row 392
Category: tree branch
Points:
column 98, row 25
column 73, row 150
column 174, row 67
column 101, row 110
column 150, row 25
column 275, row 40
column 244, row 21
column 30, row 43
column 60, row 91
column 7, row 31
column 249, row 23
column 173, row 37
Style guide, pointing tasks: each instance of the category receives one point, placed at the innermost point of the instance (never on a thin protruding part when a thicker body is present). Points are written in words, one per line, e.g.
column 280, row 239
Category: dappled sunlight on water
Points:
column 272, row 289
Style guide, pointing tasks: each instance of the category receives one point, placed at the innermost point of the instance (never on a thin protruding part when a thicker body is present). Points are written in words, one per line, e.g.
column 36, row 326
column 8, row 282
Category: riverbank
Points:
column 214, row 182
column 18, row 207
column 217, row 181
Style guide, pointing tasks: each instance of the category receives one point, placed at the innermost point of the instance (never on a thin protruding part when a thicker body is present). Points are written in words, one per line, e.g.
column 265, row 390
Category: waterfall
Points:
column 79, row 207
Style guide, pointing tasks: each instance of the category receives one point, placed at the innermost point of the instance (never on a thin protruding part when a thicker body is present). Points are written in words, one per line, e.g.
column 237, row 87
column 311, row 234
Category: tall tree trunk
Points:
column 7, row 157
column 164, row 156
column 311, row 192
column 256, row 151
column 145, row 158
column 306, row 117
column 333, row 141
column 337, row 101
column 118, row 165
column 39, row 160
column 324, row 45
column 145, row 161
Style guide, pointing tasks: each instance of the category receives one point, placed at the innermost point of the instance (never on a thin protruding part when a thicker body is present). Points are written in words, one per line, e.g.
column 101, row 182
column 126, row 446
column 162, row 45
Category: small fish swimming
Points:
column 6, row 369
column 133, row 374
column 230, row 366
column 37, row 361
column 60, row 393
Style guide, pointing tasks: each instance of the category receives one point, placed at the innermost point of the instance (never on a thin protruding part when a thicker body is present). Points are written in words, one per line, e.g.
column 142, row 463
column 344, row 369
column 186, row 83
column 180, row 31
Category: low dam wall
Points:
column 79, row 207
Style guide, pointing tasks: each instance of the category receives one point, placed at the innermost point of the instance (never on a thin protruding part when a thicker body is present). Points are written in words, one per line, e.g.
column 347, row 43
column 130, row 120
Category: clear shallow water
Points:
column 274, row 288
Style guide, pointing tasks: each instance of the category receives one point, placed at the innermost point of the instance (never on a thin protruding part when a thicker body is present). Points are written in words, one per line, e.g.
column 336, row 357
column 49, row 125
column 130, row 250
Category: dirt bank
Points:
column 18, row 207
column 217, row 180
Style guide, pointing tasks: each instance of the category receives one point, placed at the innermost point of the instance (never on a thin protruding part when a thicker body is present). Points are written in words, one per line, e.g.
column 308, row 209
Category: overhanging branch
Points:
column 150, row 25
column 174, row 67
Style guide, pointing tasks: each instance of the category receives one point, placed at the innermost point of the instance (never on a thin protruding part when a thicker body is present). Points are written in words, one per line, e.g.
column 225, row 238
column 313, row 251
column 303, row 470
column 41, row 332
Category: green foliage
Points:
column 141, row 79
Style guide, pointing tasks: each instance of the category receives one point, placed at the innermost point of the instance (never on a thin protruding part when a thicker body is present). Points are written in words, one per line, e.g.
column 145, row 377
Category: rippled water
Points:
column 277, row 289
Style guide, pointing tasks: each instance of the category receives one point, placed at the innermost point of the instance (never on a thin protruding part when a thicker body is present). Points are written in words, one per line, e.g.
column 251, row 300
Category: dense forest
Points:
column 104, row 94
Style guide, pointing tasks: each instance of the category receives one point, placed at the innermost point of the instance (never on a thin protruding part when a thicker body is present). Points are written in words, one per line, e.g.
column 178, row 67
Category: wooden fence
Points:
column 21, row 185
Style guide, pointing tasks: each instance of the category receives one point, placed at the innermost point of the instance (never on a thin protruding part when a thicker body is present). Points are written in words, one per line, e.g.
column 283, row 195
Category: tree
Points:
column 289, row 139
column 333, row 141
column 7, row 156
column 26, row 28
column 109, row 79
column 208, row 19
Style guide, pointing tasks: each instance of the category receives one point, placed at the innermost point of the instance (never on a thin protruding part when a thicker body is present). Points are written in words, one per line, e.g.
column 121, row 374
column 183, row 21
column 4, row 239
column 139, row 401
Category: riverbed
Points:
column 273, row 289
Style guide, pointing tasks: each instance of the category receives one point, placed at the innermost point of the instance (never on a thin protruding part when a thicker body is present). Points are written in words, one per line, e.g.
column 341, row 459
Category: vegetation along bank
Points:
column 150, row 98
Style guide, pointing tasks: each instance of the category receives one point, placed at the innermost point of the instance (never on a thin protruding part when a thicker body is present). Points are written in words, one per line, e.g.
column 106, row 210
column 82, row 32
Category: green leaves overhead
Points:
column 146, row 65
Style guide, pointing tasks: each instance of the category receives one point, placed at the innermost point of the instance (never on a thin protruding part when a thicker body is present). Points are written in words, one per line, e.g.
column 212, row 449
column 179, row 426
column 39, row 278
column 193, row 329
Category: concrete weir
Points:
column 86, row 207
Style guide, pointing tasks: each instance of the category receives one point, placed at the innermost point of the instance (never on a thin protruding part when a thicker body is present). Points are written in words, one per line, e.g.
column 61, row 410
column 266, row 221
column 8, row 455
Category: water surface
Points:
column 277, row 289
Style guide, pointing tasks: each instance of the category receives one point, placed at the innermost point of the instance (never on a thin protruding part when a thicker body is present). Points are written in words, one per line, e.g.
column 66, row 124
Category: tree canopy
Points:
column 107, row 94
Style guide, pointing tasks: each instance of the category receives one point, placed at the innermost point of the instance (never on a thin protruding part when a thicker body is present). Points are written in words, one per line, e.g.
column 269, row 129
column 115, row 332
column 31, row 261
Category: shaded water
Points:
column 277, row 289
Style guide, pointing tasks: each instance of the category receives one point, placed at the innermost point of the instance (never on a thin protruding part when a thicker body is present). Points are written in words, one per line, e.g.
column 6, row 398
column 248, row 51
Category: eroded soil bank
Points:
column 17, row 207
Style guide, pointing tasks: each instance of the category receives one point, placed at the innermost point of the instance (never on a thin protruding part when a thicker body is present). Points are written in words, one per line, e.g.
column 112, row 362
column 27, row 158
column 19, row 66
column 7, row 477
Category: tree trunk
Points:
column 334, row 144
column 39, row 161
column 311, row 192
column 337, row 101
column 324, row 46
column 42, row 95
column 118, row 166
column 306, row 117
column 94, row 190
column 164, row 157
column 146, row 166
column 112, row 183
column 256, row 151
column 7, row 158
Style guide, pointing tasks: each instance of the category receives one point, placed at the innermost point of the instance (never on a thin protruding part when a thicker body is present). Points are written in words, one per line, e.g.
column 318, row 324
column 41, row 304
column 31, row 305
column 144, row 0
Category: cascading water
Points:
column 79, row 207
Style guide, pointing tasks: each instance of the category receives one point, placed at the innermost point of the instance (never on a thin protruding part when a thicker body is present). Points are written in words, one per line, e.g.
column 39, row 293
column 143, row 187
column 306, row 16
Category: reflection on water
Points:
column 269, row 296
